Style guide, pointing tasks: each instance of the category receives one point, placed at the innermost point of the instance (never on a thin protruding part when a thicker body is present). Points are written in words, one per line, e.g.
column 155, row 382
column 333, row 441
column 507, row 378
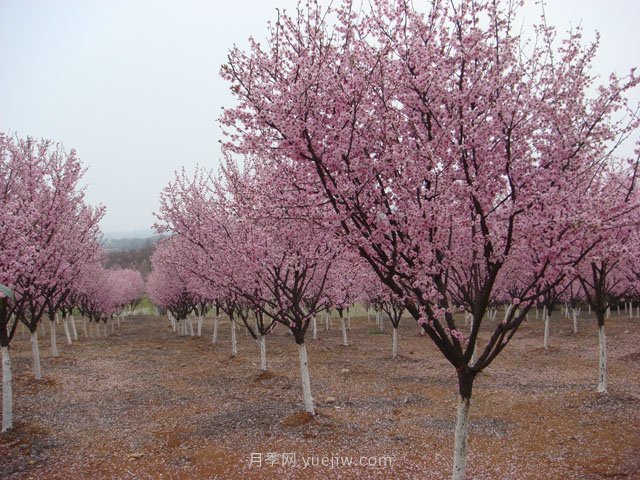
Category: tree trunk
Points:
column 574, row 313
column 460, row 442
column 345, row 341
column 262, row 343
column 44, row 329
column 191, row 327
column 395, row 342
column 35, row 350
column 90, row 329
column 234, row 340
column 214, row 338
column 113, row 325
column 73, row 327
column 306, row 382
column 602, row 364
column 84, row 327
column 7, row 394
column 199, row 326
column 54, row 343
column 65, row 323
column 314, row 326
column 547, row 326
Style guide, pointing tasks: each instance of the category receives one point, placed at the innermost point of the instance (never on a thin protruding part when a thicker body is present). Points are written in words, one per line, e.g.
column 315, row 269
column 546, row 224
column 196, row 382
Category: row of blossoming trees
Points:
column 458, row 164
column 50, row 253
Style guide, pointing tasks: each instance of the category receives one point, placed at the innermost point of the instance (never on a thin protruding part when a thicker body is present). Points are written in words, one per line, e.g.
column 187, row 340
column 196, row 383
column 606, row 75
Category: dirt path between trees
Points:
column 143, row 403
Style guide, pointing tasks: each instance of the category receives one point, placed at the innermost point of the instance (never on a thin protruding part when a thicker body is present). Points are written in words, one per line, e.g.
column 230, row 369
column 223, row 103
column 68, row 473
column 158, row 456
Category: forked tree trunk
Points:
column 7, row 394
column 67, row 334
column 395, row 342
column 54, row 343
column 234, row 340
column 262, row 343
column 306, row 382
column 214, row 338
column 73, row 327
column 602, row 364
column 35, row 350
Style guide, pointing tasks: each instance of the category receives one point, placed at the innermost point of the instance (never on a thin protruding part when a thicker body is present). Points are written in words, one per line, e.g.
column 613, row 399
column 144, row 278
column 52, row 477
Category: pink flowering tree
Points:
column 48, row 233
column 277, row 260
column 441, row 141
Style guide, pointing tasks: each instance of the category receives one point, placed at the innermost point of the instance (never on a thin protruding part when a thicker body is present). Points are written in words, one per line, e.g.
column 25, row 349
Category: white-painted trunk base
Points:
column 314, row 327
column 7, row 393
column 214, row 338
column 602, row 364
column 395, row 342
column 547, row 328
column 35, row 350
column 74, row 330
column 262, row 343
column 67, row 334
column 345, row 340
column 54, row 343
column 306, row 382
column 460, row 442
column 234, row 340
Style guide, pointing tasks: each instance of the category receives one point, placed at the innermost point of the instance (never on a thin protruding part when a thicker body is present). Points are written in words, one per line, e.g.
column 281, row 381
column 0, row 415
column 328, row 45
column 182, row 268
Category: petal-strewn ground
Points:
column 143, row 403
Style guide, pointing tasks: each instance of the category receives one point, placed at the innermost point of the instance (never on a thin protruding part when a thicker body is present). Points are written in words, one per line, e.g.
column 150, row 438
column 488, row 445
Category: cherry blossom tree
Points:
column 441, row 140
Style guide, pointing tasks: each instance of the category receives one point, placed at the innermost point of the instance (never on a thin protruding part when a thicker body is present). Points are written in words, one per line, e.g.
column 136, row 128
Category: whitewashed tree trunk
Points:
column 234, row 340
column 314, row 327
column 547, row 328
column 589, row 309
column 44, row 329
column 199, row 326
column 191, row 327
column 460, row 442
column 84, row 327
column 348, row 320
column 74, row 330
column 214, row 338
column 113, row 325
column 326, row 321
column 35, row 350
column 343, row 325
column 7, row 394
column 395, row 342
column 90, row 329
column 574, row 314
column 306, row 382
column 67, row 334
column 602, row 364
column 54, row 343
column 262, row 343
column 380, row 322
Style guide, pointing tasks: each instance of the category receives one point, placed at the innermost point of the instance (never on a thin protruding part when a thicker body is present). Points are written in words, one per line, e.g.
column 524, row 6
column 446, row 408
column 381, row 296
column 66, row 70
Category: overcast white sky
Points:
column 133, row 85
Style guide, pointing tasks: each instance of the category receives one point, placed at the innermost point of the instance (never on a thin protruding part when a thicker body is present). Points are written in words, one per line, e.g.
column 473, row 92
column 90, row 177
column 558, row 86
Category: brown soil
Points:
column 143, row 403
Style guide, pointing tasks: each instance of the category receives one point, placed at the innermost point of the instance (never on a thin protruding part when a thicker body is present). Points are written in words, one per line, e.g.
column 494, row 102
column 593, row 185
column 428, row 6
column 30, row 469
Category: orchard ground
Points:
column 143, row 403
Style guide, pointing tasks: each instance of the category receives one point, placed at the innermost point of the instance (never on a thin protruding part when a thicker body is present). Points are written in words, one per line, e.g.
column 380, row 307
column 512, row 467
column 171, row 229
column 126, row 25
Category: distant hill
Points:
column 134, row 253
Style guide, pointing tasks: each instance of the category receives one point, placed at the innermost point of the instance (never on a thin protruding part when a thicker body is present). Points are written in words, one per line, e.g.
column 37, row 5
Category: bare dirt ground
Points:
column 143, row 403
